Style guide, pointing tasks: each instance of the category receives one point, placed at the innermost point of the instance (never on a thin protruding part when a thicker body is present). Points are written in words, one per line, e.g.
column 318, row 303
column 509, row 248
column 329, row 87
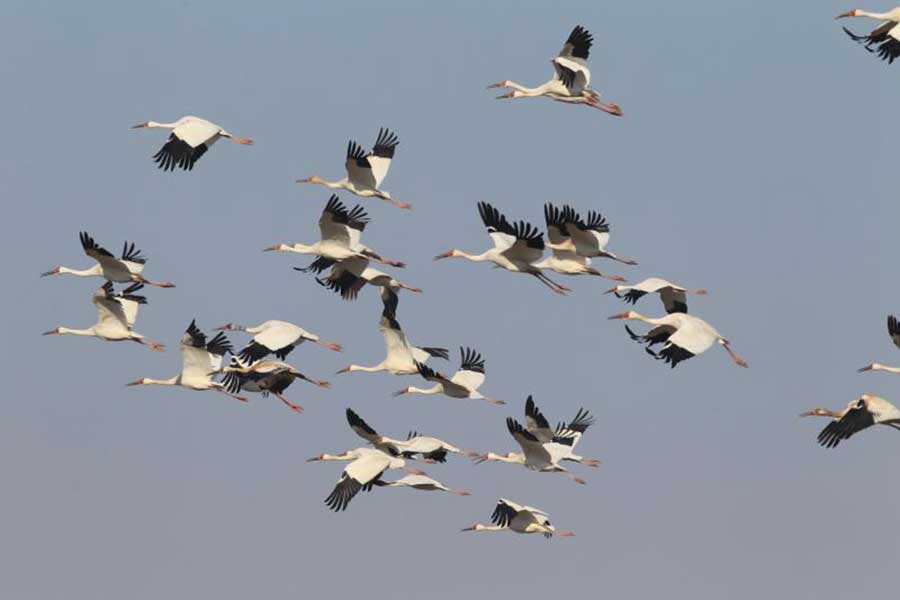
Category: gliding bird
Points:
column 683, row 336
column 265, row 377
column 191, row 137
column 571, row 81
column 886, row 36
column 509, row 516
column 366, row 466
column 860, row 414
column 673, row 296
column 125, row 269
column 275, row 337
column 516, row 247
column 463, row 384
column 401, row 356
column 340, row 230
column 201, row 360
column 116, row 314
column 365, row 172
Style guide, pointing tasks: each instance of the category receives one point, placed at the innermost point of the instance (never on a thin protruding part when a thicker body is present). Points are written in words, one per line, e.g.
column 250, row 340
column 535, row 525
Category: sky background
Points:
column 752, row 160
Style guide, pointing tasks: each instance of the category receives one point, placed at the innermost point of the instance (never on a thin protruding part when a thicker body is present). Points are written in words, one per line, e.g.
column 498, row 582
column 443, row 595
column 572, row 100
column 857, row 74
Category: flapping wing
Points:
column 471, row 370
column 394, row 339
column 854, row 420
column 130, row 301
column 358, row 475
column 674, row 300
column 359, row 171
column 894, row 329
column 504, row 512
column 382, row 154
column 430, row 374
column 110, row 312
column 361, row 428
column 536, row 422
column 501, row 231
column 423, row 353
column 592, row 232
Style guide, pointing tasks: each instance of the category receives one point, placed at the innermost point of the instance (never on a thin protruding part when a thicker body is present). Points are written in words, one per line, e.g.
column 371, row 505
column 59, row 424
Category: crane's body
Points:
column 191, row 137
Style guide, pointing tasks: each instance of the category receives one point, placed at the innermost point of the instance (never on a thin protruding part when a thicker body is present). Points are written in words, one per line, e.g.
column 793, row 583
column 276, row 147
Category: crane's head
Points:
column 55, row 331
column 849, row 13
column 475, row 527
column 625, row 315
column 277, row 248
column 311, row 179
column 53, row 271
column 141, row 381
column 452, row 253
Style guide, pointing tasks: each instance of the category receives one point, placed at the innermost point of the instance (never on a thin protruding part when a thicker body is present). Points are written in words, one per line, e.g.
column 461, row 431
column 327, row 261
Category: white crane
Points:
column 365, row 172
column 125, row 269
column 265, row 376
column 673, row 296
column 340, row 230
column 349, row 276
column 420, row 482
column 401, row 356
column 563, row 257
column 366, row 466
column 191, row 137
column 463, row 384
column 516, row 247
column 589, row 237
column 116, row 314
column 201, row 360
column 571, row 81
column 860, row 414
column 509, row 516
column 431, row 449
column 682, row 336
column 886, row 36
column 543, row 457
column 894, row 333
column 566, row 434
column 275, row 337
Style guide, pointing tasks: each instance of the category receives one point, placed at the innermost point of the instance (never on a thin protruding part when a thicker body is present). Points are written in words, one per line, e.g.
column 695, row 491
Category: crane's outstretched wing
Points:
column 886, row 36
column 471, row 370
column 536, row 422
column 894, row 329
column 857, row 418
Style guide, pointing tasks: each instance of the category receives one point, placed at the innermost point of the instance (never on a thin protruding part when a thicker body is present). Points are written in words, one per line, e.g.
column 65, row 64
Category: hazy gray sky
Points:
column 754, row 159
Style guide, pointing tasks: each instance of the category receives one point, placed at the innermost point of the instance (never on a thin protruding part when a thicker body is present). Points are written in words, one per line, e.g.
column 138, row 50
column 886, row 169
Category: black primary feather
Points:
column 132, row 254
column 470, row 360
column 386, row 144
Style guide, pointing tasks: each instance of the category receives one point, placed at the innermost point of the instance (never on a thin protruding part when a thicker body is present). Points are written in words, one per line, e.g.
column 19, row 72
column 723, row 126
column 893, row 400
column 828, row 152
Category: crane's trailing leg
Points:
column 294, row 407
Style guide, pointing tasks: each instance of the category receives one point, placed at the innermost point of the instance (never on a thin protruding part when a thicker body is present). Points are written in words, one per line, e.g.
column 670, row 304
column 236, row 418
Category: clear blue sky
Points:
column 754, row 159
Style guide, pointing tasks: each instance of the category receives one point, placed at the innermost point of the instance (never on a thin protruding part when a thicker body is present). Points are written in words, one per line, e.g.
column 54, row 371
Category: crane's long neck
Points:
column 879, row 367
column 437, row 389
column 513, row 458
column 480, row 527
column 66, row 330
column 345, row 456
column 373, row 369
column 873, row 15
column 158, row 125
column 92, row 272
column 169, row 381
column 527, row 91
column 340, row 184
column 483, row 257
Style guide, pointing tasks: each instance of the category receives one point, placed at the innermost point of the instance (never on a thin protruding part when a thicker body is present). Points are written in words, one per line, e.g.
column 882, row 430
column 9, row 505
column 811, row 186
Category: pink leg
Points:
column 734, row 357
column 294, row 407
